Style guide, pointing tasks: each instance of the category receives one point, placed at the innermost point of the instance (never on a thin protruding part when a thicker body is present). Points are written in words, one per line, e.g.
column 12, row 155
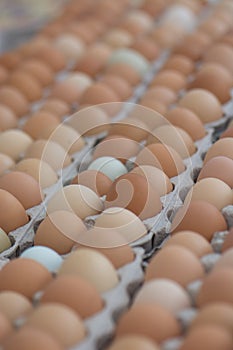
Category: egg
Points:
column 109, row 166
column 5, row 242
column 117, row 38
column 26, row 336
column 156, row 177
column 179, row 63
column 174, row 137
column 14, row 142
column 51, row 56
column 176, row 263
column 53, row 232
column 3, row 74
column 156, row 323
column 10, row 59
column 71, row 46
column 152, row 106
column 40, row 121
column 6, row 328
column 27, row 84
column 220, row 197
column 132, row 57
column 135, row 193
column 108, row 242
column 214, row 78
column 214, row 27
column 14, row 305
column 8, row 119
column 208, row 337
column 147, row 47
column 218, row 167
column 134, row 129
column 77, row 199
column 66, row 91
column 222, row 54
column 99, row 93
column 119, row 85
column 192, row 241
column 202, row 102
column 193, row 45
column 39, row 170
column 164, row 292
column 163, row 157
column 227, row 244
column 50, row 152
column 93, row 267
column 82, row 32
column 172, row 79
column 225, row 260
column 125, row 71
column 161, row 94
column 39, row 70
column 167, row 36
column 123, row 221
column 221, row 147
column 80, row 80
column 95, row 180
column 141, row 17
column 180, row 16
column 89, row 121
column 148, row 116
column 56, row 107
column 14, row 99
column 201, row 217
column 6, row 163
column 187, row 120
column 24, row 276
column 59, row 321
column 12, row 214
column 133, row 342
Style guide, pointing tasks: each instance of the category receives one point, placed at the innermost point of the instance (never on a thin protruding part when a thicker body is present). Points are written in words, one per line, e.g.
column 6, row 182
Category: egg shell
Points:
column 202, row 102
column 168, row 261
column 27, row 84
column 5, row 242
column 95, row 180
column 133, row 342
column 147, row 115
column 133, row 129
column 125, row 71
column 56, row 107
column 93, row 61
column 6, row 163
column 14, row 142
column 109, row 166
column 24, row 276
column 187, row 120
column 8, row 118
column 179, row 63
column 14, row 305
column 219, row 167
column 117, row 38
column 143, row 19
column 26, row 336
column 119, row 85
column 147, row 47
column 77, row 199
column 54, row 233
column 201, row 217
column 40, row 121
column 222, row 54
column 153, row 106
column 172, row 79
column 59, row 321
column 194, row 45
column 66, row 91
column 12, row 214
column 163, row 157
column 225, row 260
column 93, row 267
column 39, row 70
column 71, row 46
column 14, row 99
column 99, row 93
column 180, row 15
column 51, row 56
column 123, row 221
column 222, row 147
column 50, row 152
column 228, row 241
column 153, row 319
column 214, row 27
column 167, row 36
column 80, row 80
column 161, row 94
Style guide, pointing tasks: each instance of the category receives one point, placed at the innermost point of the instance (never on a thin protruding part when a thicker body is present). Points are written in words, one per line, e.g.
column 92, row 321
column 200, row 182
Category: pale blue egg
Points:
column 109, row 166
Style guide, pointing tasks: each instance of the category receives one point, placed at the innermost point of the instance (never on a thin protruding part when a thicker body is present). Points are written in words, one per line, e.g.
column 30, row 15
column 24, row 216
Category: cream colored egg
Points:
column 14, row 143
column 5, row 242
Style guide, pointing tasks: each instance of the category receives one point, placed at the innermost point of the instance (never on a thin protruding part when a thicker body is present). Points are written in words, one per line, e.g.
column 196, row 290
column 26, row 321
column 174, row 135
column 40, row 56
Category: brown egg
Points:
column 30, row 47
column 93, row 61
column 201, row 217
column 3, row 74
column 130, row 128
column 214, row 27
column 192, row 241
column 64, row 290
column 56, row 107
column 174, row 137
column 222, row 54
column 27, row 84
column 8, row 118
column 170, row 78
column 153, row 106
column 24, row 276
column 186, row 119
column 59, row 321
column 50, row 152
column 39, row 121
column 227, row 39
column 66, row 91
column 161, row 94
column 6, row 163
column 194, row 45
column 6, row 327
column 117, row 37
column 119, row 85
column 99, row 93
column 95, row 180
column 14, row 305
column 176, row 263
column 222, row 147
column 51, row 56
column 202, row 102
column 180, row 63
column 135, row 193
column 108, row 242
column 39, row 70
column 208, row 337
column 54, row 233
column 211, row 290
column 81, row 32
column 13, row 214
column 156, row 323
column 219, row 167
column 228, row 241
column 10, row 59
column 163, row 157
column 214, row 78
column 23, row 187
column 125, row 71
column 133, row 342
column 14, row 143
column 225, row 260
column 147, row 47
column 26, row 336
column 14, row 99
column 166, row 36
